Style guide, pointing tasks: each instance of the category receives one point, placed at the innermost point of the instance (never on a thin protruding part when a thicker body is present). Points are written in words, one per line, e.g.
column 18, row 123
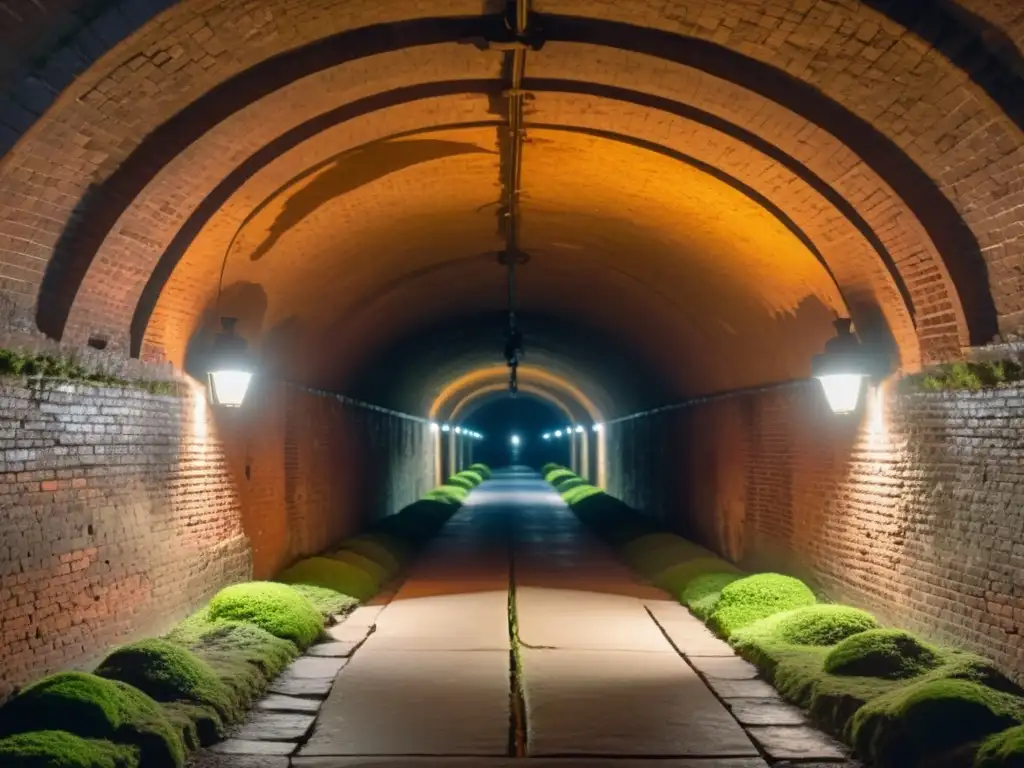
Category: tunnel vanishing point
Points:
column 688, row 195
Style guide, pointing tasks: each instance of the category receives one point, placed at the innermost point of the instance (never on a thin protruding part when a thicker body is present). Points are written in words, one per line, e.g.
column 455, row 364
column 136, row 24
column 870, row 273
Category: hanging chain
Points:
column 516, row 131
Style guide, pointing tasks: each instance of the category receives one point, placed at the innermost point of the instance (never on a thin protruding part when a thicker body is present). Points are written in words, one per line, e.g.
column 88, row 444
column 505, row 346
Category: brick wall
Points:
column 121, row 511
column 914, row 510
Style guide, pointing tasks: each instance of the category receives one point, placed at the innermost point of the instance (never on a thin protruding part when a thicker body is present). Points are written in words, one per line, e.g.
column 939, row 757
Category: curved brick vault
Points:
column 705, row 187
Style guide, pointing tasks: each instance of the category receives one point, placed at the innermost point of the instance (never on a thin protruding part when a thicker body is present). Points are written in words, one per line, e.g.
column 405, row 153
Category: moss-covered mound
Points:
column 555, row 476
column 891, row 654
column 1003, row 750
column 677, row 578
column 277, row 608
column 461, row 481
column 756, row 597
column 60, row 749
column 168, row 672
column 449, row 494
column 654, row 553
column 820, row 625
column 473, row 476
column 481, row 469
column 95, row 708
column 911, row 725
column 383, row 549
column 336, row 574
column 327, row 601
column 569, row 483
column 377, row 572
column 245, row 657
column 575, row 495
column 702, row 593
column 549, row 468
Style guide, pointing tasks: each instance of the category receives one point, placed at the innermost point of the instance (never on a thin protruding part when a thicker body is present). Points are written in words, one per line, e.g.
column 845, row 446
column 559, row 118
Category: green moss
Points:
column 450, row 494
column 336, row 574
column 461, row 482
column 66, row 369
column 1003, row 750
column 964, row 376
column 914, row 723
column 677, row 578
column 95, row 708
column 168, row 672
column 474, row 477
column 654, row 553
column 60, row 749
column 327, row 601
column 481, row 469
column 702, row 593
column 549, row 468
column 887, row 653
column 378, row 572
column 581, row 492
column 384, row 550
column 197, row 725
column 569, row 483
column 245, row 657
column 277, row 608
column 821, row 625
column 756, row 597
column 556, row 475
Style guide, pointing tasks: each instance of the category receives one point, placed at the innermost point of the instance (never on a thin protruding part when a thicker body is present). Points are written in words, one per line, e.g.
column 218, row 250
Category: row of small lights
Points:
column 558, row 433
column 435, row 427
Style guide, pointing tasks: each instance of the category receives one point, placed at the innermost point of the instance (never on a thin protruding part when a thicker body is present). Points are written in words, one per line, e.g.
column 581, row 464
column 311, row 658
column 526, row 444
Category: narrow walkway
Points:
column 601, row 677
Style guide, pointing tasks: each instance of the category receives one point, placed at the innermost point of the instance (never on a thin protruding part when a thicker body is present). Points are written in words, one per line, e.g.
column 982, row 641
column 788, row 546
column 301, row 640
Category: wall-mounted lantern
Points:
column 435, row 427
column 547, row 435
column 842, row 368
column 598, row 427
column 232, row 369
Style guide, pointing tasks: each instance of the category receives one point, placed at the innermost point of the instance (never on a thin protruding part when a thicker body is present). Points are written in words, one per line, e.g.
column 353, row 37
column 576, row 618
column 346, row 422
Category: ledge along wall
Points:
column 913, row 510
column 122, row 511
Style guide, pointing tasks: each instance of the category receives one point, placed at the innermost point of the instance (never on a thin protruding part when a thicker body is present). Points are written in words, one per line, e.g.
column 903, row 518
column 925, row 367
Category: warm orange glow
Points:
column 452, row 395
column 530, row 389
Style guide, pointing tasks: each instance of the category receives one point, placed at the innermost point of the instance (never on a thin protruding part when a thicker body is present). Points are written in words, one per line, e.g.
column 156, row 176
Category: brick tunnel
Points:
column 674, row 201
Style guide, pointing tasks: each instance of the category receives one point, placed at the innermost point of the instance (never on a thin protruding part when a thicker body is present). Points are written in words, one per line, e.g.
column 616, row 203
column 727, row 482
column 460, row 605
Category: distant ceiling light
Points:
column 232, row 370
column 446, row 428
column 558, row 433
column 547, row 435
column 841, row 368
column 434, row 426
column 598, row 427
column 458, row 430
column 515, row 441
column 579, row 428
column 568, row 430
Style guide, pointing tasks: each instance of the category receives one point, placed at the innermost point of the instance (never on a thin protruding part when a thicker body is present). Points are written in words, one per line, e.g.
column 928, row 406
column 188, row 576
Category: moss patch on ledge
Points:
column 62, row 369
column 964, row 376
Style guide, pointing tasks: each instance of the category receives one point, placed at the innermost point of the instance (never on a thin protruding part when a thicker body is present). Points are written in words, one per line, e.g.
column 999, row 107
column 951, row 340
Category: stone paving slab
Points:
column 363, row 616
column 743, row 689
column 798, row 742
column 298, row 686
column 275, row 726
column 473, row 621
column 534, row 762
column 248, row 747
column 348, row 633
column 312, row 668
column 335, row 649
column 278, row 703
column 724, row 668
column 691, row 638
column 571, row 619
column 624, row 703
column 765, row 712
column 208, row 759
column 416, row 703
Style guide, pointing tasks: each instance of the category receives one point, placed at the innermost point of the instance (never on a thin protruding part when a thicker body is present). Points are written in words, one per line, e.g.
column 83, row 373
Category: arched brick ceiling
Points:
column 721, row 176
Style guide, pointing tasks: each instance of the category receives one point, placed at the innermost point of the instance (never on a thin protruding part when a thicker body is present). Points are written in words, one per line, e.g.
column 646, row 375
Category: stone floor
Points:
column 610, row 672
